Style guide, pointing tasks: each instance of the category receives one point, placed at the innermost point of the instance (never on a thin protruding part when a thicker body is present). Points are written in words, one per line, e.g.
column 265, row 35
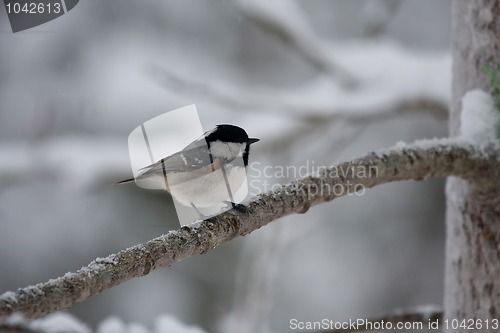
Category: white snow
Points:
column 429, row 143
column 170, row 324
column 421, row 144
column 163, row 324
column 479, row 118
column 59, row 322
column 33, row 290
column 9, row 295
column 428, row 309
column 106, row 260
column 112, row 325
column 62, row 322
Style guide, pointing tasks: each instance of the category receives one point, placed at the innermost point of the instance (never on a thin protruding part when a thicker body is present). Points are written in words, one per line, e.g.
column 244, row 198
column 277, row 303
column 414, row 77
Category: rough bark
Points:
column 426, row 159
column 472, row 272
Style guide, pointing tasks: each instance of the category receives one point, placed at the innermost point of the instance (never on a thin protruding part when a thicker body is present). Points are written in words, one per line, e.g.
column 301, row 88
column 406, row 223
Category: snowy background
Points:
column 318, row 81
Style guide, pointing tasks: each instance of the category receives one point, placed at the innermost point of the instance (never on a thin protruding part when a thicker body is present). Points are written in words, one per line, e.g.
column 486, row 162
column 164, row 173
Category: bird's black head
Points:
column 227, row 133
column 231, row 133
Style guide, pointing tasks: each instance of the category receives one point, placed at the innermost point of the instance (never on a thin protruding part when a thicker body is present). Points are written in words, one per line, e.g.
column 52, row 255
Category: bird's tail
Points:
column 125, row 181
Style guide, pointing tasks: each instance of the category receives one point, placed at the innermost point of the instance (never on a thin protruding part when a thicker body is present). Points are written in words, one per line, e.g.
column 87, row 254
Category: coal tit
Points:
column 205, row 171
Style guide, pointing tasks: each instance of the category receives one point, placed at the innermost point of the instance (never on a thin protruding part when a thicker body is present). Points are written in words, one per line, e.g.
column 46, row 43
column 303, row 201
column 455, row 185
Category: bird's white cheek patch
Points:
column 207, row 193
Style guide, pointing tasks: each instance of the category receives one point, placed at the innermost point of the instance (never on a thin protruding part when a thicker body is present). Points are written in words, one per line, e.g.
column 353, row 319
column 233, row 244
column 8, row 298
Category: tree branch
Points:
column 434, row 158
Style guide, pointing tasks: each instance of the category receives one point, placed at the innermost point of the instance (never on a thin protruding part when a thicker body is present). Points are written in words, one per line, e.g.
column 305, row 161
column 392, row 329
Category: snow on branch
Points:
column 480, row 120
column 432, row 158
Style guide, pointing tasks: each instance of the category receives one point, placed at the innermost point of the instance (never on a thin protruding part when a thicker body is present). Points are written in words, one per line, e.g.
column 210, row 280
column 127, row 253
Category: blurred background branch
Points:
column 378, row 14
column 283, row 20
column 305, row 108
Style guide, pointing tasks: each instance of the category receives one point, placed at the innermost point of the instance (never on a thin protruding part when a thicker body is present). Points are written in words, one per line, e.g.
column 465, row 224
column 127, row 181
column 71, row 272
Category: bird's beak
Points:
column 253, row 140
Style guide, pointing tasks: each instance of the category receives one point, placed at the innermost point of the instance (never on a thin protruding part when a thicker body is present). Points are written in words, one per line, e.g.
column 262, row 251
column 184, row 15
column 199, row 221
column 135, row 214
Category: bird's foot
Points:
column 239, row 207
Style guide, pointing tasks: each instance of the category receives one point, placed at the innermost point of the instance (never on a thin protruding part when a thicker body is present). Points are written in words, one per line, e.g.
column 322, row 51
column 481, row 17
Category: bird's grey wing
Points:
column 190, row 159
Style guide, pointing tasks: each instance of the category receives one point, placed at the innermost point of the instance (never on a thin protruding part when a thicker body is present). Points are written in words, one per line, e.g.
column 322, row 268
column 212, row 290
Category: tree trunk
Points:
column 472, row 273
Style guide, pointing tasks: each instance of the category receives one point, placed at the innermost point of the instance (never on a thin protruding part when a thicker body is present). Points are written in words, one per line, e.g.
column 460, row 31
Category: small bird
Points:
column 207, row 171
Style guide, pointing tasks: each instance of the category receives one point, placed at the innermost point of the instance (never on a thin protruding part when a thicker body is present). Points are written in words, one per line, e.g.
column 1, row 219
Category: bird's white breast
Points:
column 208, row 189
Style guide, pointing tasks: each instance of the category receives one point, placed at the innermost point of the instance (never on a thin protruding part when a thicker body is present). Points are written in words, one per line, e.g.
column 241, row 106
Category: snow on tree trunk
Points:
column 472, row 273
